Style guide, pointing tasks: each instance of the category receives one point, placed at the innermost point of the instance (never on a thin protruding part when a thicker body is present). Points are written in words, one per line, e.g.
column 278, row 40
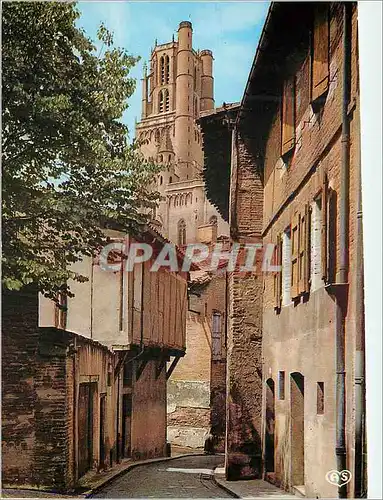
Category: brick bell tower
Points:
column 177, row 88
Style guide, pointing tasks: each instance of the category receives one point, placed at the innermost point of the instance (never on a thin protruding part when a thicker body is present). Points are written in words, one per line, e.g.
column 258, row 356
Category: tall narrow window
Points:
column 286, row 267
column 216, row 332
column 195, row 107
column 195, row 77
column 61, row 311
column 320, row 56
column 281, row 385
column 162, row 70
column 167, row 100
column 304, row 250
column 167, row 69
column 294, row 256
column 316, row 257
column 320, row 398
column 181, row 233
column 300, row 253
column 278, row 274
column 288, row 117
column 161, row 102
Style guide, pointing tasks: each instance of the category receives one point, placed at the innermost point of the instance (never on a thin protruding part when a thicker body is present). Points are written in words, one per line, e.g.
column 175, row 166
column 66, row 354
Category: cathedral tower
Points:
column 177, row 88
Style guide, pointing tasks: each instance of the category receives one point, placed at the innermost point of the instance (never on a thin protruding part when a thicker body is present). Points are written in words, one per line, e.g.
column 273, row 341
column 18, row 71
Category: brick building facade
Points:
column 296, row 339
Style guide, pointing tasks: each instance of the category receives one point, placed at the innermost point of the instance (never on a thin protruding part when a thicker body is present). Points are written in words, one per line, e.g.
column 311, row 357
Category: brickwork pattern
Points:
column 244, row 363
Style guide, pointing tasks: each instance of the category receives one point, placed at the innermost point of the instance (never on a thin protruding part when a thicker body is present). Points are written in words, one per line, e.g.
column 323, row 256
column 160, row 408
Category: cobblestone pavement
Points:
column 189, row 477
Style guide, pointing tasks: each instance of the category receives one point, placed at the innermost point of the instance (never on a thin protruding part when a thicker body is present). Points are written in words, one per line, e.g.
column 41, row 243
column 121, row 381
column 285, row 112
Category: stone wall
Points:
column 34, row 425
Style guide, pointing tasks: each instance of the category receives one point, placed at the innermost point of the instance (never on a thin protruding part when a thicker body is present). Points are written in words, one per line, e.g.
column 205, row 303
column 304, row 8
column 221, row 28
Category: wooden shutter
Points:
column 320, row 53
column 61, row 311
column 304, row 251
column 278, row 274
column 288, row 116
column 295, row 256
column 324, row 228
column 308, row 248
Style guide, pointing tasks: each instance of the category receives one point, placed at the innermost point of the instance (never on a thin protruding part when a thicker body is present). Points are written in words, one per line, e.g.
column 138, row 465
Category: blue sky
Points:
column 230, row 29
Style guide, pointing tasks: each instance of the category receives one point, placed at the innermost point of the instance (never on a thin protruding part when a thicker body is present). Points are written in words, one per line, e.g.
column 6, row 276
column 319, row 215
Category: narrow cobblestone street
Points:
column 190, row 477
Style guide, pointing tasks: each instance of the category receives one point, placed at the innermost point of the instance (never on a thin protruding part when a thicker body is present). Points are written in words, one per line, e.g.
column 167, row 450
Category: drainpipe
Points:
column 91, row 297
column 75, row 395
column 341, row 288
column 360, row 388
column 118, row 420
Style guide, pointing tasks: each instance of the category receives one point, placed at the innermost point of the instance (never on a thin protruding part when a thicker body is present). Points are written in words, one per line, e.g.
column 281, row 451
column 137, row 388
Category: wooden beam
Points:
column 160, row 366
column 172, row 366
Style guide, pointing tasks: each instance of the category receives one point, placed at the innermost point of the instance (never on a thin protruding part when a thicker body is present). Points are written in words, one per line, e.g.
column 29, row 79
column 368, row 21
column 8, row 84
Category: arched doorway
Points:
column 269, row 427
column 297, row 393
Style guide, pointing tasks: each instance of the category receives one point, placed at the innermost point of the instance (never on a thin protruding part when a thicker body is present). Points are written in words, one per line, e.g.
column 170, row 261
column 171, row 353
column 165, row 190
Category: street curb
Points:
column 224, row 487
column 129, row 467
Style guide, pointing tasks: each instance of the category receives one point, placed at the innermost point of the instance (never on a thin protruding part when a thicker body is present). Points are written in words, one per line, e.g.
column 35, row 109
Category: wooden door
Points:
column 102, row 430
column 85, row 430
column 126, row 424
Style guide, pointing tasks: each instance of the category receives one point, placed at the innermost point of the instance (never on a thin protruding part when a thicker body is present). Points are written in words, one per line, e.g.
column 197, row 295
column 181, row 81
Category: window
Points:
column 162, row 70
column 61, row 311
column 304, row 251
column 167, row 69
column 281, row 385
column 316, row 246
column 300, row 253
column 278, row 274
column 328, row 231
column 320, row 398
column 195, row 77
column 288, row 117
column 286, row 267
column 170, row 179
column 167, row 100
column 320, row 56
column 195, row 107
column 216, row 333
column 161, row 102
column 161, row 180
column 181, row 233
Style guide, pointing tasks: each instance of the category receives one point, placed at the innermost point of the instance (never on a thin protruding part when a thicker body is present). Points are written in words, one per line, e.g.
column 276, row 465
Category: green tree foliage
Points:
column 67, row 162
